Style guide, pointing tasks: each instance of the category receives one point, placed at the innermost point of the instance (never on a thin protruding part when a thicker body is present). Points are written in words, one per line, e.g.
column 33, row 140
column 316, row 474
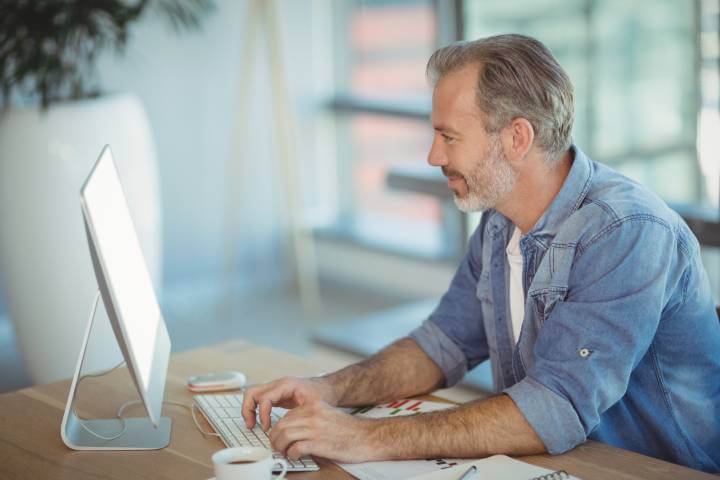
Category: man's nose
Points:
column 436, row 156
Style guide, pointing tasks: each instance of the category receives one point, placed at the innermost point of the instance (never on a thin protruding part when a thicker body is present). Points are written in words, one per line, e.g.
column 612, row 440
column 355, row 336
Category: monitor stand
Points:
column 139, row 433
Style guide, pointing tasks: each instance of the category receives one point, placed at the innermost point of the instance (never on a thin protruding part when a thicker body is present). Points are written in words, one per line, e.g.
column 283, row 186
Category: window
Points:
column 385, row 47
column 379, row 214
column 382, row 103
column 633, row 65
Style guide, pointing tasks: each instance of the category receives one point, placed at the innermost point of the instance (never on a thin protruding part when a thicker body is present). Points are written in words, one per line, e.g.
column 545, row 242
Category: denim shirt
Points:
column 620, row 341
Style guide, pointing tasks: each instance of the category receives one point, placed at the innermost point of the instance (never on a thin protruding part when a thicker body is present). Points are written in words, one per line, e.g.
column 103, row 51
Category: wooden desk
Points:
column 31, row 448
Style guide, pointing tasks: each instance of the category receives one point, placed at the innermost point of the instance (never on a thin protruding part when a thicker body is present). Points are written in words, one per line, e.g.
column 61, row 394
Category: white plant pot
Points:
column 44, row 258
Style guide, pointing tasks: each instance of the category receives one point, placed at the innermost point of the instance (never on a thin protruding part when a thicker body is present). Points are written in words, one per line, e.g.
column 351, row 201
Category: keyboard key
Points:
column 263, row 439
column 233, row 412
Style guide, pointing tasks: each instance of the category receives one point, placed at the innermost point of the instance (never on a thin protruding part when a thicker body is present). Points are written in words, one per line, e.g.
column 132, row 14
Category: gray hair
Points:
column 518, row 77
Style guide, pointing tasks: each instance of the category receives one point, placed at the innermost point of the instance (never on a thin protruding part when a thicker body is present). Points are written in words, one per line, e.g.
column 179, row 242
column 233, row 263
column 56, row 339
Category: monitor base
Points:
column 140, row 434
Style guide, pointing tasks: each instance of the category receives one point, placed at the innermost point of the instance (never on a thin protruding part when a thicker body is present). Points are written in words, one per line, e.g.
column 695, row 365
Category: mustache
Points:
column 449, row 172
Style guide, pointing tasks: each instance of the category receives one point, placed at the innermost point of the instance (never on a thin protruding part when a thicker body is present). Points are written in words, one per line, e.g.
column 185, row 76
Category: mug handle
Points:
column 283, row 464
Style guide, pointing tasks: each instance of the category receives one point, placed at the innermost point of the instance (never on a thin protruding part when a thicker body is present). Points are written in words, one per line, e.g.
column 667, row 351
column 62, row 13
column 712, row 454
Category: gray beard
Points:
column 492, row 179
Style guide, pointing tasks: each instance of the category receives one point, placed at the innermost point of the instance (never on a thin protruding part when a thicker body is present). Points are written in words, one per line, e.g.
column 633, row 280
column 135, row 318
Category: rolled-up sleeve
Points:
column 453, row 336
column 443, row 351
column 551, row 415
column 597, row 332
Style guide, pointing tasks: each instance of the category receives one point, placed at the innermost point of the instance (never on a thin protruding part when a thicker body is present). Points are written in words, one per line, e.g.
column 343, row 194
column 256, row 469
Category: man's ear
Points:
column 519, row 136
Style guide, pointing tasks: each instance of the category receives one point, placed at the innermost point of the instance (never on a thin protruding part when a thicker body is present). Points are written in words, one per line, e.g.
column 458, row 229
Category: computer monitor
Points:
column 129, row 298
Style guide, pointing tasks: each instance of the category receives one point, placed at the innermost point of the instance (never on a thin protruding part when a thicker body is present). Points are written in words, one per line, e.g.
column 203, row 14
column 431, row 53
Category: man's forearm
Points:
column 477, row 429
column 401, row 370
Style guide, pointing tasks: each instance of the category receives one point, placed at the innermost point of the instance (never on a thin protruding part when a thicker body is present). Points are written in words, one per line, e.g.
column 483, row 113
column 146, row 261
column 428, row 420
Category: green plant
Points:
column 48, row 48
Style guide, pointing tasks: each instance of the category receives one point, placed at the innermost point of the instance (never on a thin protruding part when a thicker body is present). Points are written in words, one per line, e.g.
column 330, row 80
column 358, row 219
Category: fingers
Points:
column 251, row 399
column 265, row 397
column 300, row 449
column 316, row 429
column 286, row 392
column 248, row 406
column 287, row 437
column 295, row 418
column 265, row 409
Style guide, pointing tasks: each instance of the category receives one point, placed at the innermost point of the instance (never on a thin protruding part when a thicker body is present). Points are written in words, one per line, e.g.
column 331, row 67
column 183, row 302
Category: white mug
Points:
column 246, row 463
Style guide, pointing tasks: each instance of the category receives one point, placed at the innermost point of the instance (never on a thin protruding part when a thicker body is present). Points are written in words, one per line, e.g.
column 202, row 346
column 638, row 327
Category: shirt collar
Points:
column 569, row 198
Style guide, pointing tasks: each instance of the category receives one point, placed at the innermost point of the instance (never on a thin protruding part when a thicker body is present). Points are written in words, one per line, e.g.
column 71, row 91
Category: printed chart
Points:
column 399, row 470
column 399, row 407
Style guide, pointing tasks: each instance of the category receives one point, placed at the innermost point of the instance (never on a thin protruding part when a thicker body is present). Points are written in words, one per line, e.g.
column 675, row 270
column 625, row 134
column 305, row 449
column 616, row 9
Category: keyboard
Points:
column 224, row 414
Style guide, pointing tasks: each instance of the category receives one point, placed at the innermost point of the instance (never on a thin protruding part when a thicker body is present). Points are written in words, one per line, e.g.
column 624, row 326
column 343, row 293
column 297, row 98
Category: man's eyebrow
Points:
column 444, row 128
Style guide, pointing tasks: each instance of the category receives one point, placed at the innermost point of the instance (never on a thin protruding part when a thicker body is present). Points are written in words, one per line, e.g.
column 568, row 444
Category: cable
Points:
column 125, row 405
column 77, row 396
column 190, row 407
column 192, row 413
column 122, row 408
column 77, row 387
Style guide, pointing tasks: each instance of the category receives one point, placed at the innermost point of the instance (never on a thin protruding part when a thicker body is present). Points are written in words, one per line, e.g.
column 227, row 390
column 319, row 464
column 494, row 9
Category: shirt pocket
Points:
column 550, row 283
column 545, row 300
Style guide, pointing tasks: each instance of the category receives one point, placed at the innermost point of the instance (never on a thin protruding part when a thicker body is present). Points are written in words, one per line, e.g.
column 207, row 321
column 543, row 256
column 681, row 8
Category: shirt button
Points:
column 584, row 352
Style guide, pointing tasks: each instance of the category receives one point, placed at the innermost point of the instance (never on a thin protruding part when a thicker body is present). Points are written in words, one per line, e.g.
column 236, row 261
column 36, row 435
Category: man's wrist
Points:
column 373, row 437
column 328, row 388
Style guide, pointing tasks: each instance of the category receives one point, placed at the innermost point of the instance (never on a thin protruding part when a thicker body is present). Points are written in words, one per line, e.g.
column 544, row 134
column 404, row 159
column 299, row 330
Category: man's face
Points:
column 473, row 160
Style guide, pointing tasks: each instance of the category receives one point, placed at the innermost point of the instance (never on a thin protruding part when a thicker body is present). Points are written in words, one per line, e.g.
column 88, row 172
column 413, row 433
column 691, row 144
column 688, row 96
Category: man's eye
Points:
column 446, row 138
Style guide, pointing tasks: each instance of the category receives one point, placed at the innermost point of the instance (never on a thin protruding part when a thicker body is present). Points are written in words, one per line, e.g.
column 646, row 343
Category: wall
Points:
column 191, row 86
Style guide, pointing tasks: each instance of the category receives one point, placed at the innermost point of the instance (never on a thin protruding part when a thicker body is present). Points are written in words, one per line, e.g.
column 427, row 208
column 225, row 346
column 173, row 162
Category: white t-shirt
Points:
column 517, row 293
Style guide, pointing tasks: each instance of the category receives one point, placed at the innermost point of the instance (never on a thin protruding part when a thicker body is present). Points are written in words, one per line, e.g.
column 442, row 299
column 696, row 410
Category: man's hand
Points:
column 476, row 429
column 316, row 428
column 286, row 392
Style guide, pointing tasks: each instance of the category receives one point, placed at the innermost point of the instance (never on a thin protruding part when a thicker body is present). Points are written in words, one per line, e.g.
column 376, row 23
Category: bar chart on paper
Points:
column 398, row 408
column 402, row 469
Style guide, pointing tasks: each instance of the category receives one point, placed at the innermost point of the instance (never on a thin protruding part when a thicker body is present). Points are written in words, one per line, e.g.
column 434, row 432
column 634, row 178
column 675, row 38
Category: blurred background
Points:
column 281, row 192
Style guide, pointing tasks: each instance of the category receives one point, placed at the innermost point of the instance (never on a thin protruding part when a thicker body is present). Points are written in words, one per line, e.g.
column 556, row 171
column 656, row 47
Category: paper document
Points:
column 399, row 470
column 497, row 467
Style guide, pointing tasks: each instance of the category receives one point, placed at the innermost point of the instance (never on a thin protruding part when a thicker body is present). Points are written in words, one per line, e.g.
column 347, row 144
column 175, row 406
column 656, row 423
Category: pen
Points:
column 469, row 473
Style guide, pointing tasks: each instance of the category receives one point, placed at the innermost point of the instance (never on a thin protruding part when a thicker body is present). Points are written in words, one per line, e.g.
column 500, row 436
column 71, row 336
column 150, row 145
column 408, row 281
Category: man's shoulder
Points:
column 622, row 197
column 614, row 202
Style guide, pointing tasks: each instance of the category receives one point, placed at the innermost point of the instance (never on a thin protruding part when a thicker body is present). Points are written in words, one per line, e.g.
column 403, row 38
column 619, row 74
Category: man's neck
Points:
column 537, row 186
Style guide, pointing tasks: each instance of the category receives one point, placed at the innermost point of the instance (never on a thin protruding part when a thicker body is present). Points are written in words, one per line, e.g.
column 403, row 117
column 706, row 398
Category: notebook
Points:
column 498, row 467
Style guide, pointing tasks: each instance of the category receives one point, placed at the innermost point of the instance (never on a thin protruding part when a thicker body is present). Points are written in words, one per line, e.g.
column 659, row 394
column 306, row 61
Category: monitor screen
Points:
column 125, row 282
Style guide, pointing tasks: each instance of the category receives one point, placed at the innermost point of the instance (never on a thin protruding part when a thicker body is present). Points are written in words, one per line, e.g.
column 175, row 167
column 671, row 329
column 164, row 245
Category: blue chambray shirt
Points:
column 620, row 341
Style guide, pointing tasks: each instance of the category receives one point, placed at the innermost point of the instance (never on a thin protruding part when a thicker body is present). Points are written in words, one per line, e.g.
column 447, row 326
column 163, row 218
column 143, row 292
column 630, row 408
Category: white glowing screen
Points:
column 124, row 268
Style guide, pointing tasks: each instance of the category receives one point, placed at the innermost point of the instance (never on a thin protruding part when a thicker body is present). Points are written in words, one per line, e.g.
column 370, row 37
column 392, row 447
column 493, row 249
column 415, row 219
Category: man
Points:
column 585, row 290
